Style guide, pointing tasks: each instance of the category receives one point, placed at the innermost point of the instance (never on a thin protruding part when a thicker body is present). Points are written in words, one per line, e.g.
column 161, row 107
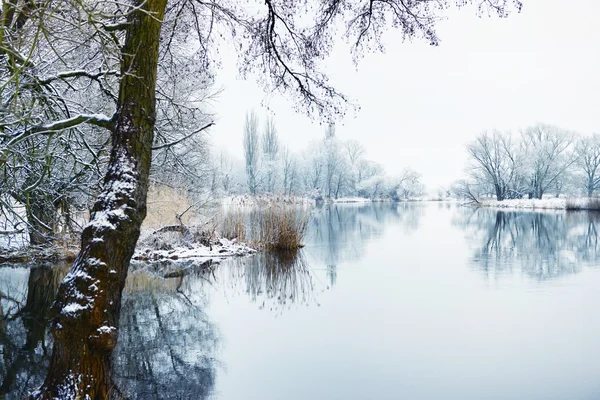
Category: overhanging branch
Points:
column 173, row 143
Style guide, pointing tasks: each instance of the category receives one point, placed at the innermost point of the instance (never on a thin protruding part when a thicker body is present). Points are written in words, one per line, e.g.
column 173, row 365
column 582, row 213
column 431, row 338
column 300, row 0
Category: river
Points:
column 386, row 301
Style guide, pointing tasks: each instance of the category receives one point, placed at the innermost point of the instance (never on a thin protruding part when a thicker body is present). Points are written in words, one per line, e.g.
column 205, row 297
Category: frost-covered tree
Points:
column 548, row 153
column 252, row 151
column 289, row 169
column 355, row 152
column 270, row 146
column 587, row 156
column 313, row 165
column 495, row 160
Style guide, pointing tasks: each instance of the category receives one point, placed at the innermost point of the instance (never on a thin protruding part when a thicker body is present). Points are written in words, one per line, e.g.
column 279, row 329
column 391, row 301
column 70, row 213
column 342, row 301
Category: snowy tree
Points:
column 355, row 152
column 313, row 161
column 252, row 151
column 548, row 153
column 270, row 145
column 587, row 156
column 408, row 185
column 495, row 159
column 289, row 168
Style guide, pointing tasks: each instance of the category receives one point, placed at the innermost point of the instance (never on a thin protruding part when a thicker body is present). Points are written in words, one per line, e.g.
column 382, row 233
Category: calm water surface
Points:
column 387, row 301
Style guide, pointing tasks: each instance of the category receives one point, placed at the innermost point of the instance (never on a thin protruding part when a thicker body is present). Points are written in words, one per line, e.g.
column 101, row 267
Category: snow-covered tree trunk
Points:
column 87, row 307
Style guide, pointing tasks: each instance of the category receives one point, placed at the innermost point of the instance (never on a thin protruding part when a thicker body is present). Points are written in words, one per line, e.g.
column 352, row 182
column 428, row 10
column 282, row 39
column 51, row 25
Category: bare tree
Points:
column 355, row 151
column 270, row 144
column 548, row 154
column 335, row 172
column 290, row 171
column 251, row 151
column 587, row 155
column 463, row 189
column 494, row 159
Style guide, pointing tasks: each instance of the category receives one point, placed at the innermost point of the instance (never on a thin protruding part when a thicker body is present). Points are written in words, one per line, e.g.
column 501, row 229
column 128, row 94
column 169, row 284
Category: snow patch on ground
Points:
column 224, row 248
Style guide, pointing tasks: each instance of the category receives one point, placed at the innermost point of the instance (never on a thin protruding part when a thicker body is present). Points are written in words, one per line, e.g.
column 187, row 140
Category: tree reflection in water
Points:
column 274, row 279
column 166, row 347
column 542, row 245
column 340, row 232
column 24, row 339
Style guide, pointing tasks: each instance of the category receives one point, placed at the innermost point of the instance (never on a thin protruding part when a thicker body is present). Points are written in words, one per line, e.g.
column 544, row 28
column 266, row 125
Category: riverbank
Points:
column 161, row 246
column 567, row 204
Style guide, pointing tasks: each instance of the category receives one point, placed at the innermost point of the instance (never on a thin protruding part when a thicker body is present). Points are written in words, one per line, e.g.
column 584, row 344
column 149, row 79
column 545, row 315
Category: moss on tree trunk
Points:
column 86, row 311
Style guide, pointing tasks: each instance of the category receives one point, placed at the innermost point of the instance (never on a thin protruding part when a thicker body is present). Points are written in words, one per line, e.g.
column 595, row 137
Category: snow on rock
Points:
column 224, row 248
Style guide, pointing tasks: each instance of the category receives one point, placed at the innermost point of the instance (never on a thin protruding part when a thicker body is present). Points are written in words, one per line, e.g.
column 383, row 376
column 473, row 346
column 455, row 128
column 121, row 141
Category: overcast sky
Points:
column 420, row 104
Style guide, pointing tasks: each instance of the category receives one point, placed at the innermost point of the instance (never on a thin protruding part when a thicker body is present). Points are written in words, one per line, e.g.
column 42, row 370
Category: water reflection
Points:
column 541, row 245
column 274, row 279
column 166, row 347
column 24, row 339
column 340, row 232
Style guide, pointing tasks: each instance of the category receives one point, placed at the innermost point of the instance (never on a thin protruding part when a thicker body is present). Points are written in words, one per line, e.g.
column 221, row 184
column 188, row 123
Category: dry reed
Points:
column 274, row 227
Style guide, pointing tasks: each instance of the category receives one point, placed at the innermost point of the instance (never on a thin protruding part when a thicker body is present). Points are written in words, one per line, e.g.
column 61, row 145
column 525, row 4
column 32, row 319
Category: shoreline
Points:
column 556, row 204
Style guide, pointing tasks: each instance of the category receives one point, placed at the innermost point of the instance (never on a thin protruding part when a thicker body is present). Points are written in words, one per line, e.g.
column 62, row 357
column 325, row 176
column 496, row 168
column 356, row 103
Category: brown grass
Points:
column 233, row 225
column 281, row 227
column 164, row 203
column 275, row 227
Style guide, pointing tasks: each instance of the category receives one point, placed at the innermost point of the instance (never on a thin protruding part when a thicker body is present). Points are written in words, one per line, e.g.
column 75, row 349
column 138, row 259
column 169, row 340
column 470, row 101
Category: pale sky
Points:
column 420, row 104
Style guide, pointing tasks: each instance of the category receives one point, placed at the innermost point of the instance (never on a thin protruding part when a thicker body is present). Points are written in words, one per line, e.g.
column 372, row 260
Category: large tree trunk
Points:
column 87, row 307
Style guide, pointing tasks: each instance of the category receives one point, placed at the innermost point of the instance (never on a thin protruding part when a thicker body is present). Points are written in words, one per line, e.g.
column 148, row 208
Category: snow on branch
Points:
column 100, row 120
column 77, row 74
column 173, row 143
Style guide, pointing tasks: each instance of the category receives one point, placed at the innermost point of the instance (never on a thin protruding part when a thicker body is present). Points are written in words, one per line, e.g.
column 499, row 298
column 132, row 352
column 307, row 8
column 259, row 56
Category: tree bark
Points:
column 87, row 308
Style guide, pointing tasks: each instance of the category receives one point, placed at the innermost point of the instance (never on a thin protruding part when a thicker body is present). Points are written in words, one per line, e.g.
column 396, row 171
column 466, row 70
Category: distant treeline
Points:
column 540, row 160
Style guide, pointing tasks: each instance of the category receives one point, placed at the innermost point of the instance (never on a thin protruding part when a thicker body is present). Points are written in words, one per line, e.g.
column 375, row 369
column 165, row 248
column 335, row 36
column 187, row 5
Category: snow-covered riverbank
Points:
column 545, row 204
column 219, row 250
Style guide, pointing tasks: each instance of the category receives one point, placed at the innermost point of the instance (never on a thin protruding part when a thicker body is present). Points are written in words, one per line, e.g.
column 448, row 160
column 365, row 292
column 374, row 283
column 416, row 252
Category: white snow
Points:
column 100, row 220
column 73, row 308
column 223, row 249
column 351, row 200
column 106, row 329
column 547, row 204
